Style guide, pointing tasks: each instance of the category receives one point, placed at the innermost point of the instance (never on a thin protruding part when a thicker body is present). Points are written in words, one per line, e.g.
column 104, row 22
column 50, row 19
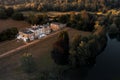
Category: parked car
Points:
column 42, row 35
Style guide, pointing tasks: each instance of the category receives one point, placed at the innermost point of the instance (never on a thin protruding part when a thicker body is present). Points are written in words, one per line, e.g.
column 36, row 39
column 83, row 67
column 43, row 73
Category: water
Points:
column 107, row 65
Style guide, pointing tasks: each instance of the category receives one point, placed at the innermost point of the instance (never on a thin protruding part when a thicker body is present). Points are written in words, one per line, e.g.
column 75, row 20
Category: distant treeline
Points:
column 10, row 13
column 77, row 5
column 67, row 5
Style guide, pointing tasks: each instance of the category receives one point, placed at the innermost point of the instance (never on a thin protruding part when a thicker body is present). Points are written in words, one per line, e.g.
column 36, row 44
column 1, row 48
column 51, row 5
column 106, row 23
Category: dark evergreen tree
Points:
column 18, row 16
column 9, row 11
column 27, row 63
column 60, row 52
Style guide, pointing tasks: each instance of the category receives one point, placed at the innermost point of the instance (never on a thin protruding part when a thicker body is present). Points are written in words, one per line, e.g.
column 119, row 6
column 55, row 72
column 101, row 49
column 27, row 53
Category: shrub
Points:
column 27, row 63
column 60, row 52
column 9, row 11
column 3, row 14
column 8, row 34
column 18, row 16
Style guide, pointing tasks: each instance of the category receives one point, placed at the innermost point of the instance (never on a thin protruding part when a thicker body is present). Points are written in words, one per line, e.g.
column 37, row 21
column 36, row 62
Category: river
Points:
column 107, row 65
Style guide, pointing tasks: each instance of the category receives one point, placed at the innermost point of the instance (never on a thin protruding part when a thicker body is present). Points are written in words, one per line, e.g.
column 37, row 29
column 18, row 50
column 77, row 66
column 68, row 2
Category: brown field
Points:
column 9, row 45
column 8, row 23
column 10, row 66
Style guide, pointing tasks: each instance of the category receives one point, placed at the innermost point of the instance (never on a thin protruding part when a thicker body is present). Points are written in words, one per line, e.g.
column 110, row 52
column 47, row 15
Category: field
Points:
column 10, row 66
column 8, row 23
column 9, row 45
column 52, row 13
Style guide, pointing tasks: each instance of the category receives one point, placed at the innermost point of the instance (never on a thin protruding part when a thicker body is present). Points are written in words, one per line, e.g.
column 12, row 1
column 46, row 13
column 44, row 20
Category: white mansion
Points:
column 38, row 31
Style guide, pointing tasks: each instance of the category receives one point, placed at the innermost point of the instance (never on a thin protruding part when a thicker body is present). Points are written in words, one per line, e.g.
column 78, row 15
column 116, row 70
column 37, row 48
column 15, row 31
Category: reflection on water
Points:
column 118, row 37
column 115, row 36
column 107, row 66
column 108, row 62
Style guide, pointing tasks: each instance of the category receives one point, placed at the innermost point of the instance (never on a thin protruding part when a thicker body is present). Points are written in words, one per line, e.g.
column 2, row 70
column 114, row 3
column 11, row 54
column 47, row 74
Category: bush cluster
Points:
column 8, row 34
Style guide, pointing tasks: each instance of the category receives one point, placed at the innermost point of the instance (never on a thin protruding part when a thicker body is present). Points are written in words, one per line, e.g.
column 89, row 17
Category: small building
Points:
column 36, row 30
column 26, row 35
column 57, row 26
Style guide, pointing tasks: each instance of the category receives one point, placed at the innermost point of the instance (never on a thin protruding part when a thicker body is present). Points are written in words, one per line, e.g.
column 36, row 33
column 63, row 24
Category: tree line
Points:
column 82, row 50
column 8, row 34
column 81, row 21
column 69, row 5
column 6, row 13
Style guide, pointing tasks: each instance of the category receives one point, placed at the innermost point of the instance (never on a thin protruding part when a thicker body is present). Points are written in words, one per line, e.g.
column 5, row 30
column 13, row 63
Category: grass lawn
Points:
column 10, row 66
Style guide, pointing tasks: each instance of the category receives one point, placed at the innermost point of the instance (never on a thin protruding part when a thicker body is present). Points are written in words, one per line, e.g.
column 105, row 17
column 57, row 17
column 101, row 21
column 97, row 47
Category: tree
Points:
column 75, row 42
column 27, row 63
column 3, row 14
column 85, row 16
column 9, row 11
column 113, row 29
column 83, row 50
column 86, row 22
column 117, row 21
column 72, row 16
column 32, row 19
column 64, row 18
column 60, row 52
column 83, row 21
column 64, row 37
column 37, row 19
column 8, row 34
column 42, row 19
column 18, row 16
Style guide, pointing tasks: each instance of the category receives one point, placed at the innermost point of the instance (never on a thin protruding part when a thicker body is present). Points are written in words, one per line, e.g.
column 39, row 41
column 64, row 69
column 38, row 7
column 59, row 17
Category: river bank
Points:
column 107, row 65
column 80, row 73
column 99, row 41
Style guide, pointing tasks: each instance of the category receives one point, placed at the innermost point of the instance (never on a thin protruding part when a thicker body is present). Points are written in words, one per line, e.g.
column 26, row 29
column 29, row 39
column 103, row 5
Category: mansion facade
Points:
column 38, row 31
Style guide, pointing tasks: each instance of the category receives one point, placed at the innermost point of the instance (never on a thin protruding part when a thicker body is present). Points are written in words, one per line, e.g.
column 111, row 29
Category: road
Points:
column 29, row 44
